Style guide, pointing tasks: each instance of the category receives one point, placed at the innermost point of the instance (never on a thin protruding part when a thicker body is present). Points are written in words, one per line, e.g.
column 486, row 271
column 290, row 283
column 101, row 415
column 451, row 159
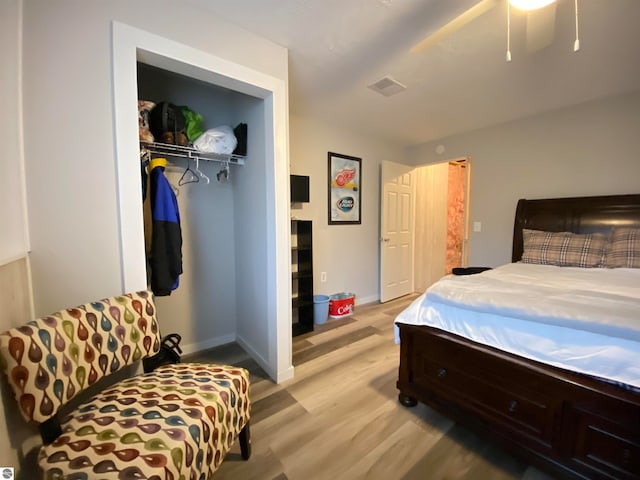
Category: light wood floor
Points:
column 339, row 418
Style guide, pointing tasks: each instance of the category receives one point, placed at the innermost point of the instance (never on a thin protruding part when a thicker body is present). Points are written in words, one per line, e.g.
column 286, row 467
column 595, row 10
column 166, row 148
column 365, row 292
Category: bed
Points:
column 574, row 421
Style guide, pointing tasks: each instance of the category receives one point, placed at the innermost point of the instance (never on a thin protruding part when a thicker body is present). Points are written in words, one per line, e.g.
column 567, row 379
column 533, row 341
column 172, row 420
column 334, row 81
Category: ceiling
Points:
column 338, row 47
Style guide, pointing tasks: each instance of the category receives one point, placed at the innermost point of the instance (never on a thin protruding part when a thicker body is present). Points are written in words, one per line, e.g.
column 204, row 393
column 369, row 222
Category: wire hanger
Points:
column 189, row 176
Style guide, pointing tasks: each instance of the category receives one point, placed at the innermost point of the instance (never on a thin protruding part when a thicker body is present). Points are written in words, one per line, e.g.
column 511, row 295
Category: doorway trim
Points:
column 130, row 44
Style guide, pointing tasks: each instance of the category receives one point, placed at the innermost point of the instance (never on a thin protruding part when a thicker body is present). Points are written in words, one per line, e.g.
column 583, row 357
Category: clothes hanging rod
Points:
column 190, row 152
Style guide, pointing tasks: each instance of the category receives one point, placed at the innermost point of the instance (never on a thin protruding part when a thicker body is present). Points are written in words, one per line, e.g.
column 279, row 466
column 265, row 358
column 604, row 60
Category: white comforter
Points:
column 586, row 320
column 599, row 300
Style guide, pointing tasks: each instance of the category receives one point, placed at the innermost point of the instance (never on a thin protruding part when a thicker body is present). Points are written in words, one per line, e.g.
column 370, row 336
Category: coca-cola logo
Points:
column 345, row 204
column 344, row 309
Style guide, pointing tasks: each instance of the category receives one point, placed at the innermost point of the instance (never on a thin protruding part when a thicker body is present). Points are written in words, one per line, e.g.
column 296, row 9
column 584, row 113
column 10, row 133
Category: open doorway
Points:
column 441, row 220
column 424, row 218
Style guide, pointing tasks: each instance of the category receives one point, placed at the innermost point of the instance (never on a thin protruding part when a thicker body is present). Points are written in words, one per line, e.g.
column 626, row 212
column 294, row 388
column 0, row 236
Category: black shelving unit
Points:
column 301, row 276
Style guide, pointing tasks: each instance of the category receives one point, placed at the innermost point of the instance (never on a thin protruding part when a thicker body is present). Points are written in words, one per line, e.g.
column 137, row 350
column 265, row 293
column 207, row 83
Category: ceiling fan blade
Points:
column 541, row 28
column 454, row 25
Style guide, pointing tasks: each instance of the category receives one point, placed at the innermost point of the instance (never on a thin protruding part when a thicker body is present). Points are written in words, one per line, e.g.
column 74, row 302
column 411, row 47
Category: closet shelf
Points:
column 190, row 152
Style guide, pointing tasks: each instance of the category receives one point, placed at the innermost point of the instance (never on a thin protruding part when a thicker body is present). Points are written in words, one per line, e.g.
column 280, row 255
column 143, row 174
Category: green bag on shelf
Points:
column 193, row 123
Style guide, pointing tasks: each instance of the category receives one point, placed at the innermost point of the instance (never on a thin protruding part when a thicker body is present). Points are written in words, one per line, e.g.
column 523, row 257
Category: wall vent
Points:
column 387, row 86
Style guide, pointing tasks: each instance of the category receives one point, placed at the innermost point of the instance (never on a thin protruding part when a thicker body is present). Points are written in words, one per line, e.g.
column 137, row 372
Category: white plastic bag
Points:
column 217, row 140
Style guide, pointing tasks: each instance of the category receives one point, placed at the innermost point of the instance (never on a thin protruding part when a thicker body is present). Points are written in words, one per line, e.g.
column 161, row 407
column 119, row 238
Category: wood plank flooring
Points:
column 339, row 418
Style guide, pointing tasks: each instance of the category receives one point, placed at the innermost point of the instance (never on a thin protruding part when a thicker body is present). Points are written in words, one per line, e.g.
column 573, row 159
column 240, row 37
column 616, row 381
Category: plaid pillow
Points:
column 563, row 249
column 623, row 250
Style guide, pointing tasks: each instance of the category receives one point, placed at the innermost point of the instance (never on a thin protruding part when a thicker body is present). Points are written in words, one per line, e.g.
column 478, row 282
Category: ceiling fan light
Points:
column 530, row 4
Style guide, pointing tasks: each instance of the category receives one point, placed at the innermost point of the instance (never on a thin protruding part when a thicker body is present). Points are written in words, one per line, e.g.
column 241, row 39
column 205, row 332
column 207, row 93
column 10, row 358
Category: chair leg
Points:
column 245, row 442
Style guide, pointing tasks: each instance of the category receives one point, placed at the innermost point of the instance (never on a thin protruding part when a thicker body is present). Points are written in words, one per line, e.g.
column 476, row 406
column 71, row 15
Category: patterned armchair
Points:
column 176, row 422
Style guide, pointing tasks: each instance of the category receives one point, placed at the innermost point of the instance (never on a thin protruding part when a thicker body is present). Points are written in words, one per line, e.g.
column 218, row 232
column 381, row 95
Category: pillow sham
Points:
column 564, row 249
column 623, row 250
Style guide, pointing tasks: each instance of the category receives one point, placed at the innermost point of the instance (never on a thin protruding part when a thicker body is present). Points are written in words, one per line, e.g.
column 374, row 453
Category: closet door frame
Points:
column 130, row 45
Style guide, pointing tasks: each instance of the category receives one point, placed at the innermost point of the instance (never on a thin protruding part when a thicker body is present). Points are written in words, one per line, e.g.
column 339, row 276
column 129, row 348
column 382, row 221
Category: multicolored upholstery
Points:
column 50, row 360
column 176, row 422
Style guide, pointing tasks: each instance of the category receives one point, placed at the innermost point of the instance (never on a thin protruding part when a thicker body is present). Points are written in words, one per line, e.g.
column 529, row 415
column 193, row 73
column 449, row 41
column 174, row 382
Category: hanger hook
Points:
column 224, row 172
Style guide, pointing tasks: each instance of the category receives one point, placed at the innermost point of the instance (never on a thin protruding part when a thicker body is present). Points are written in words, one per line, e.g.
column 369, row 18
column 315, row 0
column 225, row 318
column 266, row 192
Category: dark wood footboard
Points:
column 568, row 424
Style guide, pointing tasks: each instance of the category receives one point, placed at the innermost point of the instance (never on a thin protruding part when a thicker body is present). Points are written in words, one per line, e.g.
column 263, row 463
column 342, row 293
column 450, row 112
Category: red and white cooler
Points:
column 341, row 304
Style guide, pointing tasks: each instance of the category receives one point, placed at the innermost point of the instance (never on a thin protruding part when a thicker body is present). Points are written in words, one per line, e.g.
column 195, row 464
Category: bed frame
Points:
column 568, row 424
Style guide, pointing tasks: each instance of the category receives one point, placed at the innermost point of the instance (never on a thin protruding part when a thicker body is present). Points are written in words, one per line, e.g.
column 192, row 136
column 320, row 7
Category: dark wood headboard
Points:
column 576, row 214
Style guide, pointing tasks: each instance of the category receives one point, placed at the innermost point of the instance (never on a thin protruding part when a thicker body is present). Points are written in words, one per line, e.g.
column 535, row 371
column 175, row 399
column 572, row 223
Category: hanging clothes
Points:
column 166, row 236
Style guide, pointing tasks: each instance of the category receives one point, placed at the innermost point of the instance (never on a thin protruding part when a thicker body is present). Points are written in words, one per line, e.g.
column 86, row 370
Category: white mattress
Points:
column 584, row 320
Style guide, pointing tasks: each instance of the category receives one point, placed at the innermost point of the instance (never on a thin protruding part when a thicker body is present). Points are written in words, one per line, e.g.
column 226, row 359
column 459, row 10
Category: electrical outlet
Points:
column 323, row 276
column 477, row 226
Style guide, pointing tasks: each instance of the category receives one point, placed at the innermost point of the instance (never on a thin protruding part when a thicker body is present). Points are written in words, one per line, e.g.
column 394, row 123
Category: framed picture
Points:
column 345, row 189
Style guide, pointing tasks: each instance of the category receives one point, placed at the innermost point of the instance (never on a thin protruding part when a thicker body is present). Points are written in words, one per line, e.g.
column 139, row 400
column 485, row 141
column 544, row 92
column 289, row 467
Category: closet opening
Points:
column 204, row 306
column 234, row 231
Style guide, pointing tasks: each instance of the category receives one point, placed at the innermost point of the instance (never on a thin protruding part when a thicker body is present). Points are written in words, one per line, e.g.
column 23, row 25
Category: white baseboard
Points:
column 286, row 375
column 256, row 356
column 210, row 343
column 369, row 299
column 277, row 377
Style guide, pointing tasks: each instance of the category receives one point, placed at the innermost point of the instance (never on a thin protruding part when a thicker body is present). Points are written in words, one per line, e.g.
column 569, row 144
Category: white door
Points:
column 396, row 230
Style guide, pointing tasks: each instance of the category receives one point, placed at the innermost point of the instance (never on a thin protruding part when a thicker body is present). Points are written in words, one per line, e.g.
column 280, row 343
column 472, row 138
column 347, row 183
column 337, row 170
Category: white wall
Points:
column 348, row 253
column 589, row 149
column 250, row 199
column 14, row 240
column 69, row 132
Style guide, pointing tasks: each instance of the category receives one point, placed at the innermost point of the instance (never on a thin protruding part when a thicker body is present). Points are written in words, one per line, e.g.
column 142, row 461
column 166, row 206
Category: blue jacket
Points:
column 166, row 236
